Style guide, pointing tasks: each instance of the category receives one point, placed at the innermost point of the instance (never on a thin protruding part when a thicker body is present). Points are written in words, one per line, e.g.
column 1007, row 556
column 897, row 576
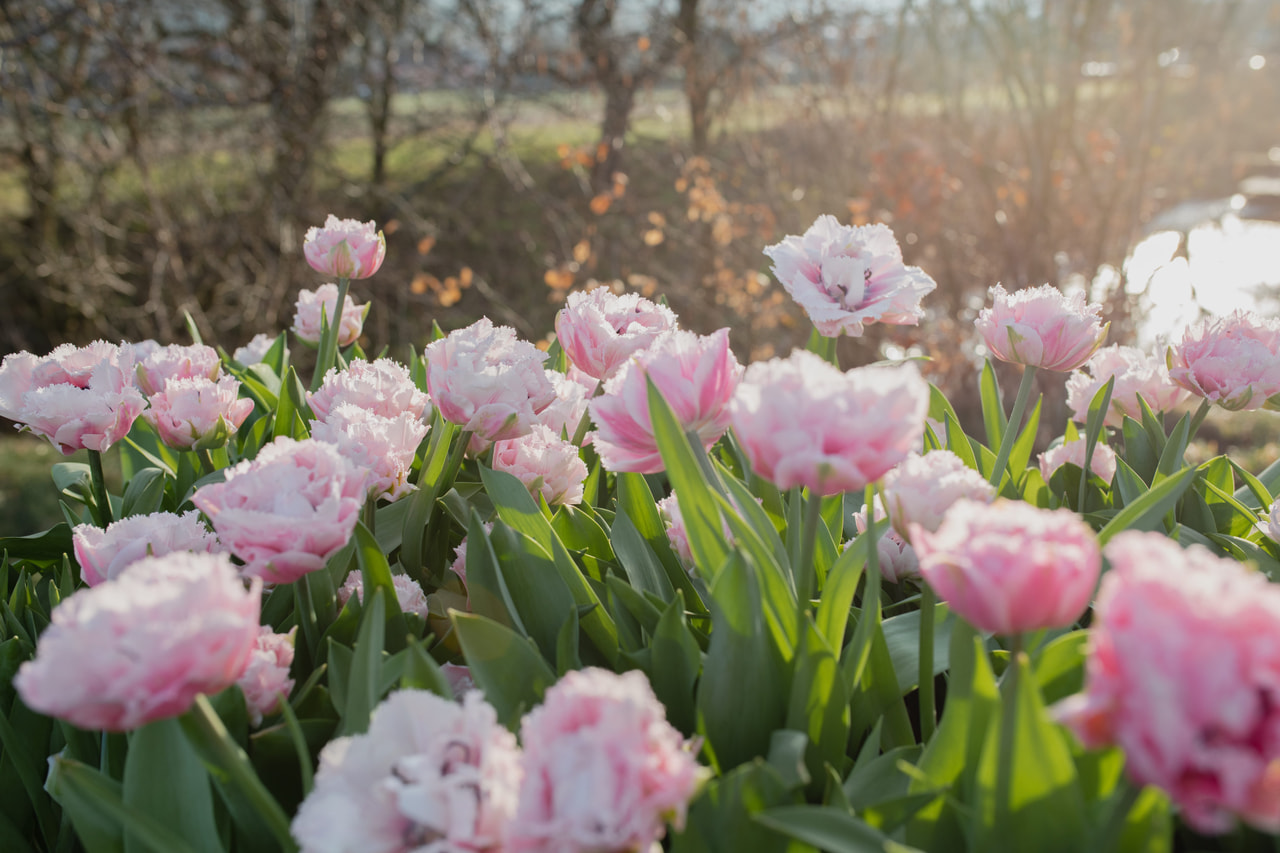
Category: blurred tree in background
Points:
column 162, row 157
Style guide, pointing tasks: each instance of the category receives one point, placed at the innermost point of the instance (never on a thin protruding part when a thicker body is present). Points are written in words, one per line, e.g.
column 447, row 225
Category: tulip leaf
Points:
column 376, row 574
column 636, row 501
column 830, row 829
column 819, row 701
column 165, row 780
column 39, row 547
column 677, row 663
column 100, row 815
column 486, row 588
column 144, row 494
column 535, row 588
column 719, row 819
column 1146, row 512
column 841, row 585
column 505, row 666
column 902, row 639
column 365, row 675
column 993, row 417
column 643, row 568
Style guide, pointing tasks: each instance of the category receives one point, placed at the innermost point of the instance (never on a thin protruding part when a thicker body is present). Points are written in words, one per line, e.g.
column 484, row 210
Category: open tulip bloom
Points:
column 628, row 596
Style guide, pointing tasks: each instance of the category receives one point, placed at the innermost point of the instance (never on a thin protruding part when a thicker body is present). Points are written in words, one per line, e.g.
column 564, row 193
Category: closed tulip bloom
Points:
column 1008, row 567
column 345, row 248
column 1041, row 327
column 103, row 554
column 266, row 677
column 570, row 403
column 920, row 489
column 288, row 511
column 383, row 387
column 1137, row 374
column 77, row 397
column 697, row 375
column 1183, row 674
column 895, row 556
column 487, row 381
column 1103, row 462
column 313, row 304
column 604, row 770
column 141, row 647
column 429, row 776
column 409, row 594
column 600, row 330
column 176, row 361
column 383, row 447
column 802, row 422
column 256, row 350
column 197, row 413
column 846, row 277
column 1233, row 361
column 547, row 464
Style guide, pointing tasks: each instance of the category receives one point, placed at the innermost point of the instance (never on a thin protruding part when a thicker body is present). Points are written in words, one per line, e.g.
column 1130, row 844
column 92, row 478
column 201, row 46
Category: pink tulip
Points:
column 1271, row 524
column 1233, row 361
column 1008, row 567
column 267, row 675
column 141, row 647
column 570, row 404
column 288, row 511
column 383, row 387
column 345, row 248
column 459, row 564
column 429, row 775
column 846, row 277
column 599, row 331
column 176, row 361
column 1183, row 674
column 104, row 554
column 545, row 463
column 78, row 398
column 1041, row 327
column 801, row 422
column 921, row 489
column 677, row 534
column 697, row 375
column 256, row 350
column 897, row 559
column 1137, row 374
column 409, row 594
column 486, row 381
column 312, row 304
column 197, row 413
column 383, row 447
column 604, row 770
column 1103, row 462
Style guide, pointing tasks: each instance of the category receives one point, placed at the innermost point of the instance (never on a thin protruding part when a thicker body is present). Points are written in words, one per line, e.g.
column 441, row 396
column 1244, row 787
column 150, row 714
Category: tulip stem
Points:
column 98, row 482
column 804, row 569
column 928, row 709
column 1008, row 729
column 207, row 465
column 329, row 336
column 370, row 513
column 1125, row 799
column 1014, row 424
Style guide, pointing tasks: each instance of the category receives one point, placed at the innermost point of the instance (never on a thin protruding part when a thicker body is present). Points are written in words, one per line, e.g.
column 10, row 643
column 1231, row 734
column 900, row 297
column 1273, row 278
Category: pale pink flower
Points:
column 1137, row 374
column 459, row 565
column 677, row 535
column 546, row 463
column 573, row 391
column 486, row 381
column 177, row 361
column 1233, row 361
column 459, row 678
column 141, row 647
column 802, row 422
column 920, row 489
column 288, row 511
column 604, row 770
column 430, row 776
column 142, row 349
column 895, row 556
column 312, row 304
column 409, row 594
column 697, row 375
column 1008, row 567
column 384, row 387
column 78, row 398
column 256, row 350
column 1041, row 327
column 1103, row 462
column 1271, row 524
column 267, row 675
column 1183, row 674
column 345, row 248
column 599, row 330
column 383, row 447
column 103, row 554
column 197, row 413
column 845, row 277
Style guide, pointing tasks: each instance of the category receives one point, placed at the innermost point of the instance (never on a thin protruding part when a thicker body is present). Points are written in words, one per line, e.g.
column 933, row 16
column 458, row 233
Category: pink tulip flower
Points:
column 1103, row 462
column 345, row 248
column 1041, row 327
column 383, row 447
column 197, row 413
column 846, row 277
column 920, row 489
column 176, row 361
column 266, row 677
column 600, row 331
column 897, row 559
column 312, row 304
column 104, row 554
column 383, row 387
column 141, row 647
column 409, row 594
column 1233, row 361
column 545, row 463
column 1137, row 374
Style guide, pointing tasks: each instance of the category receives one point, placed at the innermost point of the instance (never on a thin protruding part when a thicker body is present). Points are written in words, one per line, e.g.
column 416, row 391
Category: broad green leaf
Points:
column 98, row 810
column 421, row 672
column 677, row 663
column 643, row 568
column 1059, row 667
column 831, row 829
column 363, row 681
column 1175, row 450
column 635, row 499
column 529, row 575
column 431, row 483
column 720, row 817
column 994, row 419
column 842, row 583
column 1146, row 512
column 165, row 780
column 486, row 584
column 52, row 544
column 376, row 574
column 819, row 702
column 877, row 694
column 505, row 666
column 1020, row 456
column 144, row 494
column 902, row 638
column 1139, row 452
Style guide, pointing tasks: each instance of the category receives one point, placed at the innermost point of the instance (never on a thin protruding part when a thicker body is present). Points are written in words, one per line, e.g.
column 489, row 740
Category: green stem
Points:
column 1015, row 423
column 370, row 513
column 99, row 483
column 804, row 570
column 207, row 465
column 329, row 337
column 206, row 730
column 451, row 467
column 1117, row 815
column 928, row 708
column 871, row 595
column 1008, row 729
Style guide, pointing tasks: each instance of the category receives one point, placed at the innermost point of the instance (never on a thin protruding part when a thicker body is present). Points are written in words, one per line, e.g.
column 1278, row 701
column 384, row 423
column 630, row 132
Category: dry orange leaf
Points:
column 643, row 43
column 656, row 219
column 426, row 244
column 464, row 277
column 602, row 152
column 601, row 203
column 391, row 226
column 558, row 279
column 582, row 251
column 653, row 237
column 420, row 283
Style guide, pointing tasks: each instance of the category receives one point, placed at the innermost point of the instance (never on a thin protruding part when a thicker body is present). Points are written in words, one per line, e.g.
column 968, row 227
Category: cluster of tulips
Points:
column 624, row 594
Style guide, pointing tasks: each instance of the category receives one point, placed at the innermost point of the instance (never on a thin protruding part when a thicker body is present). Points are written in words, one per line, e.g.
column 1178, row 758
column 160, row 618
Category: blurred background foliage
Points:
column 165, row 157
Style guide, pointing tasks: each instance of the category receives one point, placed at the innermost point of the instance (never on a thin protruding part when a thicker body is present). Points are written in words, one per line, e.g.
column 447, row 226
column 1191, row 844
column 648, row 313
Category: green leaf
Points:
column 100, row 815
column 719, row 819
column 530, row 578
column 1059, row 667
column 636, row 501
column 144, row 494
column 1020, row 456
column 505, row 666
column 841, row 585
column 1139, row 452
column 1171, row 459
column 831, row 829
column 430, row 484
column 165, row 780
column 52, row 544
column 362, row 692
column 1146, row 512
column 677, row 663
column 993, row 416
column 1253, row 487
column 376, row 574
column 819, row 702
column 902, row 638
column 643, row 568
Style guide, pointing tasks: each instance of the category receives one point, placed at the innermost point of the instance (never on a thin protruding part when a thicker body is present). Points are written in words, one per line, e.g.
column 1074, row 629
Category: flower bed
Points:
column 626, row 595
